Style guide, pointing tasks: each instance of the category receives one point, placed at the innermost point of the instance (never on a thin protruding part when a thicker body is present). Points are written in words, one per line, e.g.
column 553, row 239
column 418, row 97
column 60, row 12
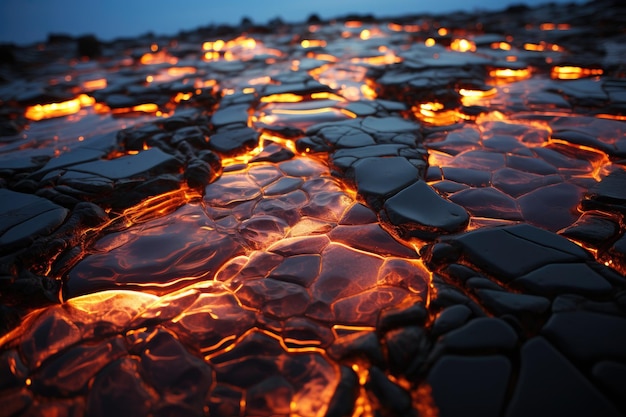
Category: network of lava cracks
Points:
column 278, row 265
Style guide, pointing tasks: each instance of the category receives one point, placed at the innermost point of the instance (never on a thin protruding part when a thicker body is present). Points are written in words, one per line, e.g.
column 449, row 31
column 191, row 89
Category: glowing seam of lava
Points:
column 65, row 108
column 572, row 73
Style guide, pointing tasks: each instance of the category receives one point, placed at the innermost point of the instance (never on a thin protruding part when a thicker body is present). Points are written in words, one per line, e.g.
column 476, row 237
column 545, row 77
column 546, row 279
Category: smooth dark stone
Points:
column 360, row 344
column 471, row 177
column 392, row 398
column 383, row 177
column 300, row 269
column 470, row 386
column 193, row 135
column 549, row 207
column 346, row 393
column 66, row 159
column 593, row 229
column 611, row 377
column 585, row 336
column 501, row 302
column 488, row 202
column 516, row 183
column 369, row 151
column 481, row 334
column 24, row 217
column 477, row 283
column 513, row 251
column 560, row 278
column 448, row 187
column 235, row 114
column 399, row 316
column 530, row 164
column 372, row 238
column 145, row 162
column 451, row 318
column 549, row 386
column 407, row 350
column 419, row 211
column 358, row 214
column 389, row 124
column 235, row 141
column 116, row 390
column 608, row 193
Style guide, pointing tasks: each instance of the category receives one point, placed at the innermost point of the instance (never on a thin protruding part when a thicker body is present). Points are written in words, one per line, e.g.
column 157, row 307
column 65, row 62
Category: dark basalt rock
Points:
column 502, row 302
column 482, row 334
column 450, row 319
column 550, row 386
column 379, row 178
column 418, row 211
column 609, row 194
column 512, row 251
column 236, row 141
column 470, row 386
column 559, row 278
column 26, row 217
column 585, row 336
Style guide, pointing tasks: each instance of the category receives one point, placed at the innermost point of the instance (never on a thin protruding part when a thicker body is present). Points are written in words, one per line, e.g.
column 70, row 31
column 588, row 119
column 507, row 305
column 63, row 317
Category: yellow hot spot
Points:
column 572, row 72
column 501, row 45
column 211, row 56
column 326, row 96
column 365, row 34
column 353, row 24
column 64, row 108
column 534, row 47
column 182, row 97
column 462, row 45
column 282, row 98
column 92, row 85
column 217, row 45
column 158, row 58
column 429, row 42
column 507, row 73
column 248, row 90
column 260, row 80
column 141, row 108
column 477, row 93
column 180, row 71
column 368, row 92
column 442, row 31
column 312, row 43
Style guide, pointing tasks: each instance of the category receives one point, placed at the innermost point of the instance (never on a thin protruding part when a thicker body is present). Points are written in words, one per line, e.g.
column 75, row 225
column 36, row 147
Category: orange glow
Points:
column 260, row 80
column 508, row 74
column 552, row 26
column 313, row 43
column 65, row 108
column 160, row 57
column 93, row 85
column 477, row 93
column 573, row 73
column 353, row 24
column 462, row 45
column 182, row 97
column 501, row 45
column 434, row 113
column 180, row 71
column 141, row 108
column 442, row 31
column 282, row 98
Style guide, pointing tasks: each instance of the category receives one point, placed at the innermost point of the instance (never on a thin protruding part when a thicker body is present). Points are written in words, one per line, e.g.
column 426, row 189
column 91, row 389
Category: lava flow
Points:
column 421, row 216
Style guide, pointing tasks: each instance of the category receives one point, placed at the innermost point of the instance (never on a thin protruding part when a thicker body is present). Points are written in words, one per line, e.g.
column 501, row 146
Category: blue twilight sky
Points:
column 29, row 21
